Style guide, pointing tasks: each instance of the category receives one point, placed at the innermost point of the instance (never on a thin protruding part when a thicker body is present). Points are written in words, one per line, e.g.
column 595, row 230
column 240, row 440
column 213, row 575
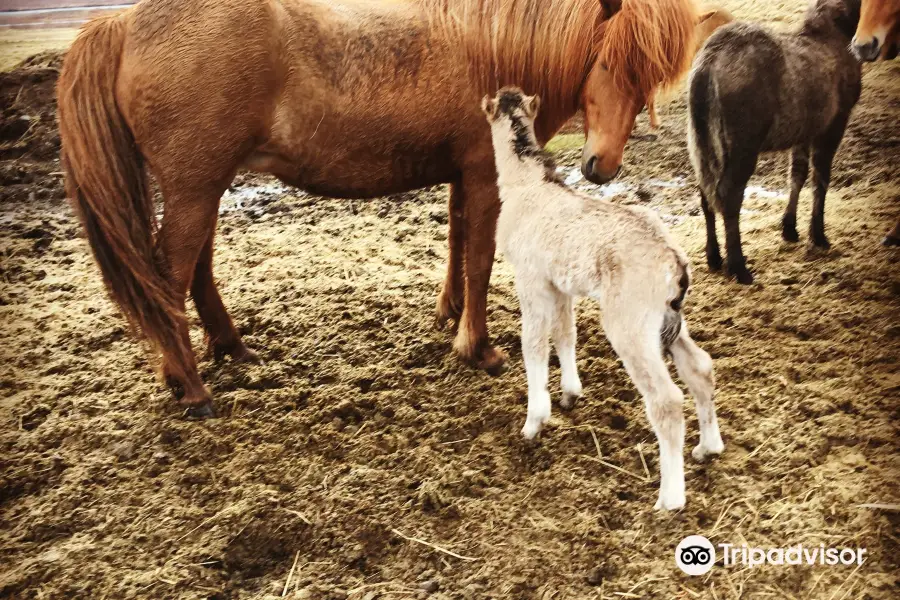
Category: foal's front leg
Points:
column 537, row 312
column 564, row 338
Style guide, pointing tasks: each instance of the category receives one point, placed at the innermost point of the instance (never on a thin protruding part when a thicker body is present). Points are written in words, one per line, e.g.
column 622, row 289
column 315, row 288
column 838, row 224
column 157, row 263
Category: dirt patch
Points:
column 29, row 140
column 360, row 431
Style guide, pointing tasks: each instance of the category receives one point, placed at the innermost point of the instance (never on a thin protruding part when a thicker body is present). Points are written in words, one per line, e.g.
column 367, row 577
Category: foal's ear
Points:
column 610, row 7
column 489, row 107
column 531, row 104
column 706, row 15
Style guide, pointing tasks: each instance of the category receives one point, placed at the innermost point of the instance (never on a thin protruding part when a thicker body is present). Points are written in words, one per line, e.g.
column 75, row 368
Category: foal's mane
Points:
column 548, row 47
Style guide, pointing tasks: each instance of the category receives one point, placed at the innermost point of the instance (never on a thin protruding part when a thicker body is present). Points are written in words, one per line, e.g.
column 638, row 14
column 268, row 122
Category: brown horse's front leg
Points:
column 481, row 208
column 451, row 299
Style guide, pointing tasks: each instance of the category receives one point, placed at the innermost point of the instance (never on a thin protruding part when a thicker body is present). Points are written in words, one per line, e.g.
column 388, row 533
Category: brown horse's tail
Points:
column 107, row 183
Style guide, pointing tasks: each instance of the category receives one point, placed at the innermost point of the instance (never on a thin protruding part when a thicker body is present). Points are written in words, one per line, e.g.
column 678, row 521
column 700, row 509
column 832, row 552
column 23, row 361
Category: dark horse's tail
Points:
column 706, row 139
column 107, row 183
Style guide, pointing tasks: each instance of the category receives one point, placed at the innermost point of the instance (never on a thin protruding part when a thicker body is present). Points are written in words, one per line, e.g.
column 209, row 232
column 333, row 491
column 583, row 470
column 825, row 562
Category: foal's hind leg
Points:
column 695, row 368
column 635, row 336
column 564, row 338
column 222, row 337
column 799, row 172
column 713, row 255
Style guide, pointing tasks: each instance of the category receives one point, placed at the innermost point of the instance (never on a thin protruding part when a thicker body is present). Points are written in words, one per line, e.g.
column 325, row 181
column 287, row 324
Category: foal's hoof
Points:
column 568, row 400
column 714, row 261
column 701, row 452
column 890, row 241
column 200, row 411
column 671, row 501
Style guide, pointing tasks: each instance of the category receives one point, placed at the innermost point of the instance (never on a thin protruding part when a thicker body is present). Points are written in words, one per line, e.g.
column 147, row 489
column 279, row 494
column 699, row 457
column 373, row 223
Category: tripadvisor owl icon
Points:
column 695, row 555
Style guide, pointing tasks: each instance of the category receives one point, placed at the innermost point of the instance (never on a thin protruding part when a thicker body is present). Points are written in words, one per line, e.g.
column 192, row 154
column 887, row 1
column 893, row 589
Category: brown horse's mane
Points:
column 548, row 47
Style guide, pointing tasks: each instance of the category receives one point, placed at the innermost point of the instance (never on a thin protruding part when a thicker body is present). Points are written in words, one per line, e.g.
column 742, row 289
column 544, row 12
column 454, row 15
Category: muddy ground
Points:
column 361, row 431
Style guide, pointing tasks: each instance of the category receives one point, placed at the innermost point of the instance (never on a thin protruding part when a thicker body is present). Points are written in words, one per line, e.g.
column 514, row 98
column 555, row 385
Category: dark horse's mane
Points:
column 548, row 47
column 824, row 16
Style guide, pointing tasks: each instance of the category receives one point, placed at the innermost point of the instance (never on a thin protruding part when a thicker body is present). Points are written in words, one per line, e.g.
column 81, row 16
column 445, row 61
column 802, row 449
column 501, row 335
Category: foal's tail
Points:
column 672, row 317
column 107, row 183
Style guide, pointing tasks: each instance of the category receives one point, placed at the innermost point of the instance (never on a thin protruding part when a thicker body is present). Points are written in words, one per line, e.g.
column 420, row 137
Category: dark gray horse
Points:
column 752, row 91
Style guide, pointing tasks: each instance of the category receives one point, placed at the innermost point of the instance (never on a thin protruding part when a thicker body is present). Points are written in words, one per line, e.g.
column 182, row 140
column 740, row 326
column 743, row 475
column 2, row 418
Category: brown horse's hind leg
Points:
column 451, row 300
column 482, row 207
column 188, row 218
column 221, row 335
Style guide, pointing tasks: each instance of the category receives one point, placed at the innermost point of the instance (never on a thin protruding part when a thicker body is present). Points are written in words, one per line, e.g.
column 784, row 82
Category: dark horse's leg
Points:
column 737, row 173
column 799, row 171
column 221, row 334
column 713, row 256
column 822, row 155
column 451, row 299
column 481, row 209
column 893, row 237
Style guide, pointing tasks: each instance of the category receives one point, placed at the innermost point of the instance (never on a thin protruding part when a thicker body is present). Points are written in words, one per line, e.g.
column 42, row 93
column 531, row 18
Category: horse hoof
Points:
column 714, row 262
column 238, row 352
column 890, row 241
column 790, row 235
column 247, row 356
column 743, row 276
column 567, row 402
column 493, row 361
column 821, row 243
column 447, row 309
column 200, row 411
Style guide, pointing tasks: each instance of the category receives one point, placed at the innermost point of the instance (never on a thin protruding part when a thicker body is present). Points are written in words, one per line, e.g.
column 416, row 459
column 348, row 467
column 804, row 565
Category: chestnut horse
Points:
column 878, row 32
column 343, row 98
column 878, row 37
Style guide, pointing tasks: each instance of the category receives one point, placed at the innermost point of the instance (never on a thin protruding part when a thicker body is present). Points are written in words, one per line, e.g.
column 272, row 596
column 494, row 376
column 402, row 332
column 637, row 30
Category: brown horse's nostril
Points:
column 867, row 52
column 588, row 169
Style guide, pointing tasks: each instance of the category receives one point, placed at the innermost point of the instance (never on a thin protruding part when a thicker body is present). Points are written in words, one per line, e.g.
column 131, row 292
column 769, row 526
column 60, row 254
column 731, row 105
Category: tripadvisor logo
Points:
column 696, row 555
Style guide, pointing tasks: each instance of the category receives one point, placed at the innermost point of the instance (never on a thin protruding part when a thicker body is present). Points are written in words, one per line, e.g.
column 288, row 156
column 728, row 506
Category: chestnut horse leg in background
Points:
column 451, row 300
column 481, row 209
column 221, row 335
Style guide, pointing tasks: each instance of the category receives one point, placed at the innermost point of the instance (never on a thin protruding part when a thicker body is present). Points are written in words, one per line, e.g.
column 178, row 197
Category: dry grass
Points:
column 18, row 44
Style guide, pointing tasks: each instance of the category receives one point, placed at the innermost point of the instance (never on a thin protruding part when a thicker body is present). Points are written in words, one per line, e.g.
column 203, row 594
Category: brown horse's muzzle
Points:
column 867, row 51
column 595, row 169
